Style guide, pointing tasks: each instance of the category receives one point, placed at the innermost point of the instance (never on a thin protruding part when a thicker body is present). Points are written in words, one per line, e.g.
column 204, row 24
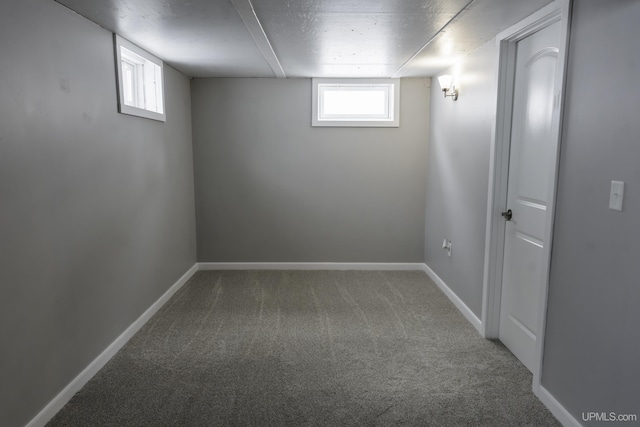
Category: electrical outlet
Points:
column 446, row 244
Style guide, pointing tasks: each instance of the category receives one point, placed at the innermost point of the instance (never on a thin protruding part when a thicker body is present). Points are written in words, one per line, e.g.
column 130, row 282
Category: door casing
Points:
column 506, row 41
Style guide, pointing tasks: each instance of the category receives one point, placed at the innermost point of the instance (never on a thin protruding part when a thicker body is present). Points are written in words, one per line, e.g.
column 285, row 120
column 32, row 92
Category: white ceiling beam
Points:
column 251, row 21
column 398, row 73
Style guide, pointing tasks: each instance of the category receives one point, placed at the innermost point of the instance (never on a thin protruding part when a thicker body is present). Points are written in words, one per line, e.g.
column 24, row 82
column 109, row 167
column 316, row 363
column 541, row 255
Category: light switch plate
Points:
column 616, row 195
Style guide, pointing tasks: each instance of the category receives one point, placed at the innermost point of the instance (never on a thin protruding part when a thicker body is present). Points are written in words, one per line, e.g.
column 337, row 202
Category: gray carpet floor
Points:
column 302, row 348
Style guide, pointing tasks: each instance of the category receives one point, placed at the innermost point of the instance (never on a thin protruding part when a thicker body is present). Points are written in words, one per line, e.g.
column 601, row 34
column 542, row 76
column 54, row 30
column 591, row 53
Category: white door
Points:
column 531, row 160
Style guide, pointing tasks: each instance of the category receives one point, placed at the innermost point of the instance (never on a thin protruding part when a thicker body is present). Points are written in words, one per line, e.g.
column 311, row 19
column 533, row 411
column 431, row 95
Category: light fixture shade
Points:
column 445, row 81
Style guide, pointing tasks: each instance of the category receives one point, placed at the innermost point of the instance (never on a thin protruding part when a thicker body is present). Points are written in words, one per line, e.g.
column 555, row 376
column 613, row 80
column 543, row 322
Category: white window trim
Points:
column 144, row 55
column 393, row 120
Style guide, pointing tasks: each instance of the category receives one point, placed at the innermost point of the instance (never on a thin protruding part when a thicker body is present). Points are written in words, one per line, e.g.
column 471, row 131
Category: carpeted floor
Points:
column 325, row 348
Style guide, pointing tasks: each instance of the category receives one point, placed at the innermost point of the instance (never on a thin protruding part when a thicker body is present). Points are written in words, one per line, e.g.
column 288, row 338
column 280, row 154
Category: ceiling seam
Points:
column 251, row 21
column 450, row 21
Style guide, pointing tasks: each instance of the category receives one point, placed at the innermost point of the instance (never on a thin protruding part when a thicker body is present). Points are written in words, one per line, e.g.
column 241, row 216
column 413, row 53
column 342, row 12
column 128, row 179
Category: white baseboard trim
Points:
column 53, row 407
column 556, row 408
column 392, row 266
column 460, row 305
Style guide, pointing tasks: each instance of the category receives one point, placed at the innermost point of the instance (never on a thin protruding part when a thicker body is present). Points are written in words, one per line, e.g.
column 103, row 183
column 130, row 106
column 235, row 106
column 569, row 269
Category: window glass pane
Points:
column 355, row 102
column 127, row 83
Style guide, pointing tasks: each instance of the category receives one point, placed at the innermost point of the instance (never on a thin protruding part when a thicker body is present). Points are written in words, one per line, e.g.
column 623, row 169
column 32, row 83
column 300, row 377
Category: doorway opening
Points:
column 522, row 184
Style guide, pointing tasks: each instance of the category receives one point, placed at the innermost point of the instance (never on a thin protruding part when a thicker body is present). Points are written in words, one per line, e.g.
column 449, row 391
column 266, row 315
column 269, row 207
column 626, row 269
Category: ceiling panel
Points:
column 200, row 37
column 310, row 38
column 360, row 6
column 355, row 37
column 481, row 22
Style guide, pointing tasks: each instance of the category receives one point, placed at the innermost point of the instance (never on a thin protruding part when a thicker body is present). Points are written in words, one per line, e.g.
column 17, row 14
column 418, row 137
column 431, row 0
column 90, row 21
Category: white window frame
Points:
column 147, row 81
column 391, row 117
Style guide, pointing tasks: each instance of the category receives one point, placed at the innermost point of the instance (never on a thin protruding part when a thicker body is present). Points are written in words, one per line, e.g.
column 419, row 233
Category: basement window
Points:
column 140, row 81
column 356, row 102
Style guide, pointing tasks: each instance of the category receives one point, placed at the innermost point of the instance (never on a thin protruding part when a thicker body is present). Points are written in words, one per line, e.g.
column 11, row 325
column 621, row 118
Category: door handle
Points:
column 507, row 215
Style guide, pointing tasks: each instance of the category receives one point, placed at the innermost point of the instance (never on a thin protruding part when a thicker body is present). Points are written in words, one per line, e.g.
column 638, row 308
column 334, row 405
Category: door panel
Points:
column 534, row 130
column 530, row 164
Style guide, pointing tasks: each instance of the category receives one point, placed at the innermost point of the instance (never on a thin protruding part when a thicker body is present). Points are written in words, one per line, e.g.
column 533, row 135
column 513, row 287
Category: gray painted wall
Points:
column 592, row 345
column 458, row 175
column 269, row 187
column 592, row 342
column 97, row 213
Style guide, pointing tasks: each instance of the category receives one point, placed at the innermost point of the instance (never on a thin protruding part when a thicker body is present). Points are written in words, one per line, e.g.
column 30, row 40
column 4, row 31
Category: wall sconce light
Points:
column 445, row 85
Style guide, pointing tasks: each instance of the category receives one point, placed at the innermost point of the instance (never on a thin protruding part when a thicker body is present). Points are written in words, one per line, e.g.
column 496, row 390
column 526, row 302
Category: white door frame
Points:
column 558, row 11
